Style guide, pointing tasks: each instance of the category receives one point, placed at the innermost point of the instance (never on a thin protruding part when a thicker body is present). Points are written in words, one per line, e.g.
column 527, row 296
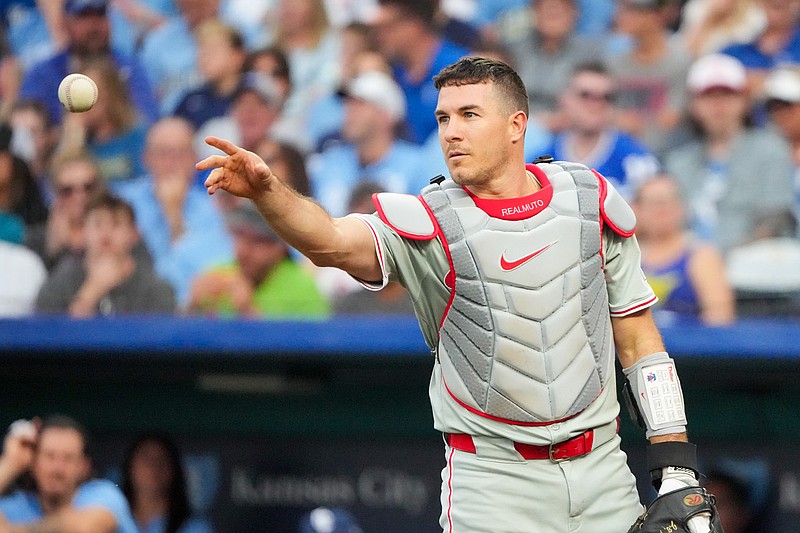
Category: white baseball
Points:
column 23, row 428
column 77, row 93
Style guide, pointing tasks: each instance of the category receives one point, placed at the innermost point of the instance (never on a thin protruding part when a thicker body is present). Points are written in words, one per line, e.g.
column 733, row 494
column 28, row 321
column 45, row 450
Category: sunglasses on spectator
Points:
column 609, row 97
column 774, row 104
column 69, row 190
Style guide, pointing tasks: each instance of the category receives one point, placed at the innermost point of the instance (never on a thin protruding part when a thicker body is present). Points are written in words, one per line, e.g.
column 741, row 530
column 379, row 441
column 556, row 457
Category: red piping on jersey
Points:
column 446, row 248
column 603, row 194
column 636, row 307
column 450, row 491
column 405, row 234
column 377, row 246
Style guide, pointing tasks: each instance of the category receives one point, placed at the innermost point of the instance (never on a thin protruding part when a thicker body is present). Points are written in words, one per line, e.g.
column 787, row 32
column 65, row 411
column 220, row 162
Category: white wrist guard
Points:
column 654, row 395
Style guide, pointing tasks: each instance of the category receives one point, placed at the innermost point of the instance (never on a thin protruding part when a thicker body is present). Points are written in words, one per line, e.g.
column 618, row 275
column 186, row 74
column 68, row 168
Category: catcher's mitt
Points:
column 671, row 512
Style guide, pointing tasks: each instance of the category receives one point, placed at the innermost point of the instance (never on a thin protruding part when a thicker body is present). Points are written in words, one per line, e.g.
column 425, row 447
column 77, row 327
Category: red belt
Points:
column 574, row 447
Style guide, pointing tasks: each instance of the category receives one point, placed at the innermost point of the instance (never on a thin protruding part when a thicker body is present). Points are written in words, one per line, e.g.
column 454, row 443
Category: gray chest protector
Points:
column 527, row 336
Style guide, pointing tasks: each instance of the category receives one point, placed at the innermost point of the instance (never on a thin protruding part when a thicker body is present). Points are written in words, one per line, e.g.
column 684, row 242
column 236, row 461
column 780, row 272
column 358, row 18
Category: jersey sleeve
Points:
column 20, row 508
column 103, row 493
column 628, row 290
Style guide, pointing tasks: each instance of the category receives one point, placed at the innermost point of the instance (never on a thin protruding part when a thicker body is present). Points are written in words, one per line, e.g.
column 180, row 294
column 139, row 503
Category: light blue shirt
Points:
column 205, row 242
column 22, row 507
column 337, row 170
column 168, row 55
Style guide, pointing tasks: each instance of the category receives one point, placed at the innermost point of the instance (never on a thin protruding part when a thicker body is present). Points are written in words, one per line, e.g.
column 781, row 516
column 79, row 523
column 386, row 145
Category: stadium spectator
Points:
column 312, row 48
column 19, row 191
column 132, row 20
column 75, row 180
column 253, row 115
column 778, row 43
column 417, row 51
column 109, row 279
column 272, row 62
column 34, row 139
column 590, row 136
column 56, row 456
column 727, row 192
column 688, row 276
column 287, row 162
column 154, row 483
column 708, row 26
column 21, row 270
column 87, row 29
column 221, row 57
column 358, row 52
column 782, row 90
column 263, row 281
column 111, row 131
column 34, row 30
column 551, row 45
column 175, row 73
column 180, row 225
column 651, row 75
column 374, row 110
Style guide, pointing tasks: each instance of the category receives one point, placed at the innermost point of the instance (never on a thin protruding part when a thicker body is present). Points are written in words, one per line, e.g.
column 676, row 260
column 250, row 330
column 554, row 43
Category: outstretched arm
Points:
column 69, row 520
column 345, row 243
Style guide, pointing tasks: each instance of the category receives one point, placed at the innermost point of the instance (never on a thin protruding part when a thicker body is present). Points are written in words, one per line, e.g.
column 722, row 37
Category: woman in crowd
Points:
column 687, row 275
column 155, row 486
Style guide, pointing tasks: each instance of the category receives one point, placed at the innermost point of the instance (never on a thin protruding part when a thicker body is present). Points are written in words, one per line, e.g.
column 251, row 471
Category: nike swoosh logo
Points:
column 508, row 266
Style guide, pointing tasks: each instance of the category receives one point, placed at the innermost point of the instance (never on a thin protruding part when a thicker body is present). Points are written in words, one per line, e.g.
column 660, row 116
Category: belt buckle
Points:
column 552, row 449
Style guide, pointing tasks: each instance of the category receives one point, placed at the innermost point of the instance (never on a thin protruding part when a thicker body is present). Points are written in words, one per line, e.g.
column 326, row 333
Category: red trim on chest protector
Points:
column 508, row 421
column 405, row 234
column 518, row 208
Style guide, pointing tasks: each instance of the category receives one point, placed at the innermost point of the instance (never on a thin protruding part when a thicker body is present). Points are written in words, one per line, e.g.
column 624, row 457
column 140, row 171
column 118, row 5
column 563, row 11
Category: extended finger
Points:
column 212, row 161
column 223, row 144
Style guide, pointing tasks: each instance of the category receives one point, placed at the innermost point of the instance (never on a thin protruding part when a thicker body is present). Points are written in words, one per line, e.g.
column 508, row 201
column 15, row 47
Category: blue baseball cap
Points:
column 329, row 520
column 85, row 7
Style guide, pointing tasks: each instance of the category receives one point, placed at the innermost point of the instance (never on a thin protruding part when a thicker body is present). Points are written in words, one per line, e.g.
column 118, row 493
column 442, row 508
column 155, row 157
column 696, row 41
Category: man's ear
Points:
column 518, row 124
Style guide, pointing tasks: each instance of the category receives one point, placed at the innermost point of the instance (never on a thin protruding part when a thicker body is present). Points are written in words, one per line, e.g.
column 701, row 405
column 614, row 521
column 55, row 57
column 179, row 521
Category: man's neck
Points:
column 54, row 503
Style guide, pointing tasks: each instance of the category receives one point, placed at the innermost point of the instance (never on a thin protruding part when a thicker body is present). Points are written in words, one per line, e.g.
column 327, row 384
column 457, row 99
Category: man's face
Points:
column 393, row 30
column 74, row 185
column 169, row 154
column 256, row 254
column 60, row 464
column 360, row 119
column 474, row 132
column 719, row 111
column 109, row 231
column 88, row 32
column 588, row 102
column 785, row 115
column 254, row 117
column 554, row 18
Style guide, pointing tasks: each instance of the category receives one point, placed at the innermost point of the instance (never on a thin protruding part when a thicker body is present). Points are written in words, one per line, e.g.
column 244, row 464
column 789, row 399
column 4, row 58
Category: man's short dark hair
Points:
column 58, row 421
column 471, row 70
column 422, row 10
column 115, row 204
column 594, row 67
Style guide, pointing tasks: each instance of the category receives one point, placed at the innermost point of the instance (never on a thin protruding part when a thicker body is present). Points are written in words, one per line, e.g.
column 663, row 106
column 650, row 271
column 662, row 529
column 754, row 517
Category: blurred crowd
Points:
column 691, row 109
